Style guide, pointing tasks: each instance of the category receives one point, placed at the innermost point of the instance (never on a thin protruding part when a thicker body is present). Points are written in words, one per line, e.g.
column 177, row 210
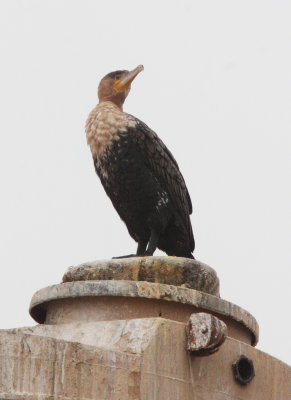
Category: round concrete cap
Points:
column 177, row 271
column 145, row 290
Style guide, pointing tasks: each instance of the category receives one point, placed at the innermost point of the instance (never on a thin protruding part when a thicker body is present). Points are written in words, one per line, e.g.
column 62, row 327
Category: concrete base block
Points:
column 129, row 360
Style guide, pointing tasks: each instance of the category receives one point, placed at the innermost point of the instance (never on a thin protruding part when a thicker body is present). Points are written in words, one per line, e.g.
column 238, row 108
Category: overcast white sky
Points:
column 216, row 88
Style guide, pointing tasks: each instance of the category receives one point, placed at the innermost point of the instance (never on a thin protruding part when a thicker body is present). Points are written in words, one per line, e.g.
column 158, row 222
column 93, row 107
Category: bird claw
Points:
column 127, row 256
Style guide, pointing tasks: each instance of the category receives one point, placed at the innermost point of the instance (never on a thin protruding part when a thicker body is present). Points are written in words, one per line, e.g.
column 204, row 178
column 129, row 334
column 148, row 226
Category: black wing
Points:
column 165, row 168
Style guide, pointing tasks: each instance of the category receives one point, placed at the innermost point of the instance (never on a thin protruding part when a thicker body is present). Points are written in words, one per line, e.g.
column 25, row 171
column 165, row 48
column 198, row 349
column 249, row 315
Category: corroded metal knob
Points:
column 205, row 334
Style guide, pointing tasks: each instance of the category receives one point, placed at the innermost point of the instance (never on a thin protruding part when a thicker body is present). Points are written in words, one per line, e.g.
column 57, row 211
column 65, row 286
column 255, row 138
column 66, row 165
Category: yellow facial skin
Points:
column 126, row 79
column 118, row 85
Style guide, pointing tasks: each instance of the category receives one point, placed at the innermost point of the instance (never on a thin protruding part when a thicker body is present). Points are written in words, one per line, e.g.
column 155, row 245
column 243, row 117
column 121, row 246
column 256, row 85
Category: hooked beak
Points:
column 126, row 79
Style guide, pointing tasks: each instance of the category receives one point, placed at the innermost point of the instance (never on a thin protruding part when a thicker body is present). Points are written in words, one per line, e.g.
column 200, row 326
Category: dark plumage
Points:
column 139, row 173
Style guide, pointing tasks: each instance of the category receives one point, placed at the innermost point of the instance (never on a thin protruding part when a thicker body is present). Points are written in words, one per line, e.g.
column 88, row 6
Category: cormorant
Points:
column 139, row 173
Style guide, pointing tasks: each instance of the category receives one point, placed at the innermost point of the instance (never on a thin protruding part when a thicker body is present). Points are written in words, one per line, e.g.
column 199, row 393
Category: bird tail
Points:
column 177, row 241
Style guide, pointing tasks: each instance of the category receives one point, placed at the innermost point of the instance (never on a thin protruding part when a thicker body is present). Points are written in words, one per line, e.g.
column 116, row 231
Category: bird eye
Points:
column 117, row 77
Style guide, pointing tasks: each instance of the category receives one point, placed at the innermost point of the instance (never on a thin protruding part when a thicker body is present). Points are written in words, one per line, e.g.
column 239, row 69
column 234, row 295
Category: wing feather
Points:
column 165, row 168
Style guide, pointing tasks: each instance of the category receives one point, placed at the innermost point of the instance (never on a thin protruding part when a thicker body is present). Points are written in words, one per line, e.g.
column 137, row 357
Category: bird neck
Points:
column 115, row 98
column 111, row 104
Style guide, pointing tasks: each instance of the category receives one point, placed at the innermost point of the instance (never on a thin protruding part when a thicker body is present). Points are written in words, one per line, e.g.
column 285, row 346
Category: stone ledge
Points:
column 177, row 271
column 144, row 290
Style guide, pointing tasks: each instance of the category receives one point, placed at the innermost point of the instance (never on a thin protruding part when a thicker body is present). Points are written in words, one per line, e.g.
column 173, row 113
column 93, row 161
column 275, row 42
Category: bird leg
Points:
column 141, row 248
column 153, row 243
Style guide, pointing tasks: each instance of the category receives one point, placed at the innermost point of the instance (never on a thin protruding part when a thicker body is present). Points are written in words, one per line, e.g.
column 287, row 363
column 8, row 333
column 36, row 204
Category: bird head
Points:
column 115, row 86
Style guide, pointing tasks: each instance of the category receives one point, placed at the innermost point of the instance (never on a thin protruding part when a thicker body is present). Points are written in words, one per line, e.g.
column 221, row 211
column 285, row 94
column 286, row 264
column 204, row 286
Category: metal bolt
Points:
column 243, row 370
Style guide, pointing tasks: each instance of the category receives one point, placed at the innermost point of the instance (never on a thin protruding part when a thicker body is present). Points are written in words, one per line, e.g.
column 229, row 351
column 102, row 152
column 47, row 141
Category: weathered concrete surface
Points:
column 205, row 334
column 94, row 300
column 129, row 336
column 158, row 368
column 34, row 368
column 177, row 271
column 209, row 378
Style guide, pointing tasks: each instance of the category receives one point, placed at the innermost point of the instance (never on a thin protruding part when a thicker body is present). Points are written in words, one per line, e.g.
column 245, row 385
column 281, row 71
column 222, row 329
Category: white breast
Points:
column 104, row 125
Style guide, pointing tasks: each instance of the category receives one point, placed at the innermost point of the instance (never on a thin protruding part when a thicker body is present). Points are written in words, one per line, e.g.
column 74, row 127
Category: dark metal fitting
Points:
column 243, row 370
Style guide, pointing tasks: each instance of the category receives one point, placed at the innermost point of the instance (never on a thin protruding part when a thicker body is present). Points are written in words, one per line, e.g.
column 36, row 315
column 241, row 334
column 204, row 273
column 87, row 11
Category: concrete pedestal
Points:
column 116, row 330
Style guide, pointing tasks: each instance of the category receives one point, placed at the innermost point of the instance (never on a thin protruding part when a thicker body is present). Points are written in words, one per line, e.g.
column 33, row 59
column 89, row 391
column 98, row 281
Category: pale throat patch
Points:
column 104, row 124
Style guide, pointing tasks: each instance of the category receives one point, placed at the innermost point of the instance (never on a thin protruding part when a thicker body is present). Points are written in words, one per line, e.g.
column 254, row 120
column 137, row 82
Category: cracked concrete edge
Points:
column 127, row 336
column 147, row 290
